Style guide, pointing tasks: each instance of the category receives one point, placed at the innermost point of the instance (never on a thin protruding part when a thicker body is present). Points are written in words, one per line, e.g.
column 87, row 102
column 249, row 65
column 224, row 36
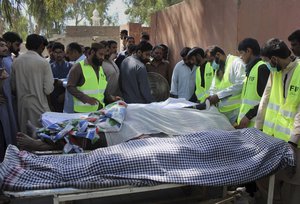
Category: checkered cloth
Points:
column 210, row 158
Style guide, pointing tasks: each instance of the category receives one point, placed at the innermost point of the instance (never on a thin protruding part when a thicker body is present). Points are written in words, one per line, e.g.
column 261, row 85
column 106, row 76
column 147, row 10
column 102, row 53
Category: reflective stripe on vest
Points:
column 250, row 97
column 279, row 118
column 203, row 92
column 233, row 102
column 92, row 87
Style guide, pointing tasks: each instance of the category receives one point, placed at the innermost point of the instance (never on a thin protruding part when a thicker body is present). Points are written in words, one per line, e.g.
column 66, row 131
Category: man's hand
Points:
column 244, row 123
column 92, row 101
column 117, row 98
column 3, row 74
column 2, row 100
column 58, row 83
column 214, row 99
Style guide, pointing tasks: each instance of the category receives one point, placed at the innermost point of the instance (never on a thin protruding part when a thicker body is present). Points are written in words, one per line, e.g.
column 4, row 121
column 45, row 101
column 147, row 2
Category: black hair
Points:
column 104, row 42
column 58, row 45
column 249, row 43
column 87, row 48
column 145, row 36
column 164, row 47
column 275, row 47
column 294, row 36
column 50, row 44
column 75, row 46
column 34, row 41
column 12, row 37
column 124, row 32
column 111, row 42
column 196, row 51
column 215, row 49
column 131, row 48
column 2, row 39
column 184, row 51
column 96, row 46
column 129, row 38
column 144, row 46
column 157, row 47
column 45, row 41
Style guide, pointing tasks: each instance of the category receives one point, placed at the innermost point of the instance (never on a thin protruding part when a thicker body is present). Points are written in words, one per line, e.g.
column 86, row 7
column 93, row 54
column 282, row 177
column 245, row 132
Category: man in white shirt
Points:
column 227, row 84
column 183, row 77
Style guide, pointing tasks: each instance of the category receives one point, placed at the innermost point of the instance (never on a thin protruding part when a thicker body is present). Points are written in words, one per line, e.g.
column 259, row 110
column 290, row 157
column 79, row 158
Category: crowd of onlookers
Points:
column 259, row 88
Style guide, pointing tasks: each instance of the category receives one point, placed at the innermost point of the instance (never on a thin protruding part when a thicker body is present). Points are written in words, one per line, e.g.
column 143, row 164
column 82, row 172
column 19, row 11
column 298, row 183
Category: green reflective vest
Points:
column 250, row 97
column 203, row 92
column 280, row 114
column 92, row 87
column 232, row 102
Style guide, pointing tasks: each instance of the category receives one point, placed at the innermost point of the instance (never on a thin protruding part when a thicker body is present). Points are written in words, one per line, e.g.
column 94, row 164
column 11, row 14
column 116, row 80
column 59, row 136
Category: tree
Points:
column 7, row 8
column 141, row 10
column 18, row 25
column 83, row 9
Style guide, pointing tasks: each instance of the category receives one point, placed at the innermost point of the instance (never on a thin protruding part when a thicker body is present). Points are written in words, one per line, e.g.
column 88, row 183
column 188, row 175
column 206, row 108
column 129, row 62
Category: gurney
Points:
column 206, row 158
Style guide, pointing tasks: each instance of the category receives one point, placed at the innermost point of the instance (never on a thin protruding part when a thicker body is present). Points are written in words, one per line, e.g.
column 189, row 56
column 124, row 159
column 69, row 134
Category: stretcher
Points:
column 62, row 195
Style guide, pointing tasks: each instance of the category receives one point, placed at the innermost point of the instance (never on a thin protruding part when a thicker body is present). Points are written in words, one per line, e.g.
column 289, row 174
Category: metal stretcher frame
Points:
column 72, row 194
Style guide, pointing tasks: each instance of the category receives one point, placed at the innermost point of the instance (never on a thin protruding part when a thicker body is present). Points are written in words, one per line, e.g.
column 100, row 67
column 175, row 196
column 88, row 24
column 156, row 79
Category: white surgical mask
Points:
column 271, row 68
column 215, row 66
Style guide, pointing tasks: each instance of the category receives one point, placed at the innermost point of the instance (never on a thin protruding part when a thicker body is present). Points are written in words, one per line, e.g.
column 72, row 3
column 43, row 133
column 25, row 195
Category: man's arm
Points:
column 144, row 84
column 295, row 135
column 174, row 83
column 13, row 80
column 263, row 75
column 74, row 80
column 262, row 108
column 236, row 77
column 48, row 79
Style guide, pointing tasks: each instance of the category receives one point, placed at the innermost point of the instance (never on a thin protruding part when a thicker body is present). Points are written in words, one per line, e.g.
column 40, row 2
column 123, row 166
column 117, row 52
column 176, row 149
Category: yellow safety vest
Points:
column 203, row 92
column 250, row 97
column 92, row 87
column 280, row 114
column 233, row 102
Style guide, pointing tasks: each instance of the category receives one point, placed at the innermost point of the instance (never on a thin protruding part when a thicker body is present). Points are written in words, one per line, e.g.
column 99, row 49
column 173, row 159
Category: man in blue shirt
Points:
column 183, row 78
column 60, row 70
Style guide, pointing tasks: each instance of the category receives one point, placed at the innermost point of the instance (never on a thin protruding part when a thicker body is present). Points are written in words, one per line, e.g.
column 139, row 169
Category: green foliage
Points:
column 140, row 10
column 50, row 15
column 19, row 25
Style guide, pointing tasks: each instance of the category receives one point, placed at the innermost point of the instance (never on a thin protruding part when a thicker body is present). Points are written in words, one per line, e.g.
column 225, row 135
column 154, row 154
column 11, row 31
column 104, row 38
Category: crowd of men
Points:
column 259, row 88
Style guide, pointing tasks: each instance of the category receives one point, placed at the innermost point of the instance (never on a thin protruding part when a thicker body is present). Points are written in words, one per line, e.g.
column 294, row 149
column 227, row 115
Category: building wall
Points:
column 86, row 35
column 223, row 23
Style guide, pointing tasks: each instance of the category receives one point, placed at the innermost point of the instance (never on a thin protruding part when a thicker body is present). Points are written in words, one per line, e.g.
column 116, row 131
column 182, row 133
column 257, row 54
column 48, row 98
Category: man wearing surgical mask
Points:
column 279, row 112
column 227, row 85
column 257, row 74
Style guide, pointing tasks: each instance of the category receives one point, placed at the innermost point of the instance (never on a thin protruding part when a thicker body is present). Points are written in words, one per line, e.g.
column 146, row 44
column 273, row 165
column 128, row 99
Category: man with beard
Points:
column 87, row 82
column 183, row 78
column 227, row 84
column 279, row 114
column 13, row 42
column 158, row 65
column 134, row 82
column 8, row 127
column 111, row 70
column 204, row 73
